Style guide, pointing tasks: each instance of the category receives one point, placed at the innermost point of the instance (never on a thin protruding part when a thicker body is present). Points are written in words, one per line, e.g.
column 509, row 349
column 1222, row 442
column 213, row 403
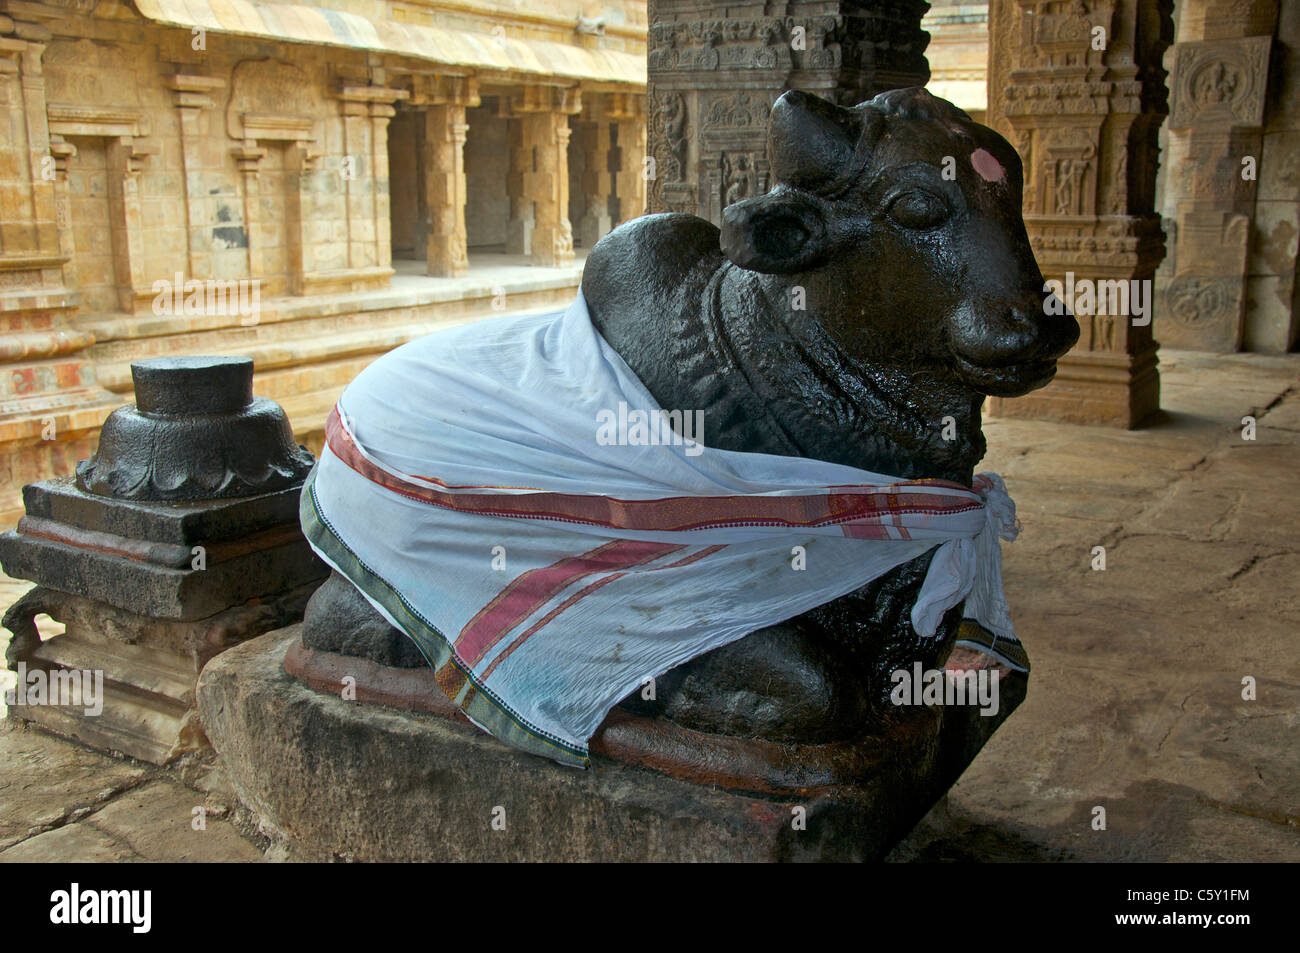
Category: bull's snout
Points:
column 1010, row 348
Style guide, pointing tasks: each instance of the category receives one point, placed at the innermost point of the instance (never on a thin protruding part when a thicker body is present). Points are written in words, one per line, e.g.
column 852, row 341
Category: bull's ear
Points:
column 810, row 141
column 778, row 233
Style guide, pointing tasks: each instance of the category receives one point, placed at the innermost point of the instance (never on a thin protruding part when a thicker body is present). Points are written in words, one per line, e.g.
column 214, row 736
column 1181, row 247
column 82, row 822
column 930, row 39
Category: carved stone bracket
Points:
column 194, row 91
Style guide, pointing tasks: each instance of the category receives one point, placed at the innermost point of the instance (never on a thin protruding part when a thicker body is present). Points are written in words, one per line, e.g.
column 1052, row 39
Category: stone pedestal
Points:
column 178, row 538
column 1079, row 91
column 714, row 74
column 451, row 792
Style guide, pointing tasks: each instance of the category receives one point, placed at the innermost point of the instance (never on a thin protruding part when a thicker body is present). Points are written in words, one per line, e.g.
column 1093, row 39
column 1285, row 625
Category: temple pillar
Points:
column 544, row 113
column 712, row 82
column 596, row 185
column 627, row 161
column 519, row 229
column 445, row 129
column 366, row 114
column 1079, row 91
column 1219, row 83
column 193, row 96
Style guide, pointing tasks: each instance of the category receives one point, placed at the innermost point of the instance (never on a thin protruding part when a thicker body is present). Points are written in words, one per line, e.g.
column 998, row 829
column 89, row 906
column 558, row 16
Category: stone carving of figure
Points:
column 709, row 58
column 1064, row 187
column 672, row 112
column 740, row 182
column 1216, row 85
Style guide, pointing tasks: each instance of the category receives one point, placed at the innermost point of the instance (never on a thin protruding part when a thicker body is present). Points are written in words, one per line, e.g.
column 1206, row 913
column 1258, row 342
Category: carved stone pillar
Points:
column 627, row 162
column 445, row 130
column 713, row 79
column 544, row 113
column 1079, row 90
column 193, row 96
column 519, row 229
column 366, row 113
column 1218, row 88
column 596, row 187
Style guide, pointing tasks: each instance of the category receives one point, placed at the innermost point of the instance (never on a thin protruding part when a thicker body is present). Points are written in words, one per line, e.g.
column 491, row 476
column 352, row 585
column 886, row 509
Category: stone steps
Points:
column 35, row 377
column 136, row 722
column 151, row 671
column 312, row 338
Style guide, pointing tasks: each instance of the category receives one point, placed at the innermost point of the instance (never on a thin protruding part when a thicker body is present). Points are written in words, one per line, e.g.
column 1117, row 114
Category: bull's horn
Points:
column 810, row 141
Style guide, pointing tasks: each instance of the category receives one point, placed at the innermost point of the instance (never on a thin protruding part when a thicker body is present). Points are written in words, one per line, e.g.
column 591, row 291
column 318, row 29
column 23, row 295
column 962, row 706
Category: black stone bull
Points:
column 885, row 285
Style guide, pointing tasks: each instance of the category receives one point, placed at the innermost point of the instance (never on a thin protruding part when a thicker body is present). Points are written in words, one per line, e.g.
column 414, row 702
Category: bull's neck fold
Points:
column 802, row 395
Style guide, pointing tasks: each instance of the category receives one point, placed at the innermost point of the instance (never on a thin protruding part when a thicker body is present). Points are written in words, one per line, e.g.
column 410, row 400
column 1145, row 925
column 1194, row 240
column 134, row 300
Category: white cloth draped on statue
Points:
column 494, row 491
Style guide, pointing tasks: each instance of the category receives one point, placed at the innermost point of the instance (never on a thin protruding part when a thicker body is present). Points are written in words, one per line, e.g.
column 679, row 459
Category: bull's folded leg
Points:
column 874, row 626
column 814, row 679
column 339, row 619
column 782, row 683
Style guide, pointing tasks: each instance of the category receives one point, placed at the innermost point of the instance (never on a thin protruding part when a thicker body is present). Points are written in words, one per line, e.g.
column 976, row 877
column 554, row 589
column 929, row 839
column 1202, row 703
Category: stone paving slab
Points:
column 1135, row 704
column 62, row 802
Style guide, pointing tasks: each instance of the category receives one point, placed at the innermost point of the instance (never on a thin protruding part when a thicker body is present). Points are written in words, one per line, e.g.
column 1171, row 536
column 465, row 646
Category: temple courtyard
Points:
column 1139, row 669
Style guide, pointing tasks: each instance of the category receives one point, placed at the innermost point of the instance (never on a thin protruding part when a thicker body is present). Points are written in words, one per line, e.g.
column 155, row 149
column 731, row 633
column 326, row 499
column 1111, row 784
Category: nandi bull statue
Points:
column 708, row 510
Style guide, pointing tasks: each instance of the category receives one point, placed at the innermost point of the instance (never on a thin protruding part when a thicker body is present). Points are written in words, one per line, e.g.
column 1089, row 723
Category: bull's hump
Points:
column 644, row 278
column 648, row 267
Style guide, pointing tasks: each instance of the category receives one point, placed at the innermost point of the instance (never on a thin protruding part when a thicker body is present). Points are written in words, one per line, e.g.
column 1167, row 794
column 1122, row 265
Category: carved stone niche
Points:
column 126, row 135
column 270, row 101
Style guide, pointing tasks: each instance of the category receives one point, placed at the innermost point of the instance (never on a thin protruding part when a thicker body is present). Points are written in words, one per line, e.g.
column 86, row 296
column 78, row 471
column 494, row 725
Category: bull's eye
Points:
column 917, row 209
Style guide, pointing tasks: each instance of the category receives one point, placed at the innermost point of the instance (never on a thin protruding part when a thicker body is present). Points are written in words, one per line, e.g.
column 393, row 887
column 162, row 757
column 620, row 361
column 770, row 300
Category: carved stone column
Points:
column 713, row 77
column 1218, row 88
column 445, row 129
column 519, row 229
column 627, row 161
column 597, row 182
column 1079, row 90
column 194, row 95
column 366, row 112
column 544, row 113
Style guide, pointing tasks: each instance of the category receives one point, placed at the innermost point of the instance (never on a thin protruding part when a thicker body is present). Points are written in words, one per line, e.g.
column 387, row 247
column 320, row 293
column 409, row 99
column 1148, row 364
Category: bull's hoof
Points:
column 340, row 620
column 776, row 684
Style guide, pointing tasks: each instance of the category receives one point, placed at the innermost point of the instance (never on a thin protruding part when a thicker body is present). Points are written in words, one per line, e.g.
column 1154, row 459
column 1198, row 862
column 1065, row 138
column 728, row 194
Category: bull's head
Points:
column 901, row 217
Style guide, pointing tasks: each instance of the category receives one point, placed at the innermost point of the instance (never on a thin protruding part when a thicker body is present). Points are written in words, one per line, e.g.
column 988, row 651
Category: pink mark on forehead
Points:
column 989, row 168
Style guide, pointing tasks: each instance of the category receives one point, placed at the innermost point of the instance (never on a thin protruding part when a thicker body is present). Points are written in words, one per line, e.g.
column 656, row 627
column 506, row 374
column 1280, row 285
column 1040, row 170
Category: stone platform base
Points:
column 357, row 780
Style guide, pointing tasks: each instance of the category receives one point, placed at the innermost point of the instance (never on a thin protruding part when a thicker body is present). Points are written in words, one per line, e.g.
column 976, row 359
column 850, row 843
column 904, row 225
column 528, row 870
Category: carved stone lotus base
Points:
column 393, row 775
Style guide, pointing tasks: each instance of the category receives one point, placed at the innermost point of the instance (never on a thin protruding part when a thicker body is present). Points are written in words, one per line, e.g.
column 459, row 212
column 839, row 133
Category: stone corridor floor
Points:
column 1135, row 701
